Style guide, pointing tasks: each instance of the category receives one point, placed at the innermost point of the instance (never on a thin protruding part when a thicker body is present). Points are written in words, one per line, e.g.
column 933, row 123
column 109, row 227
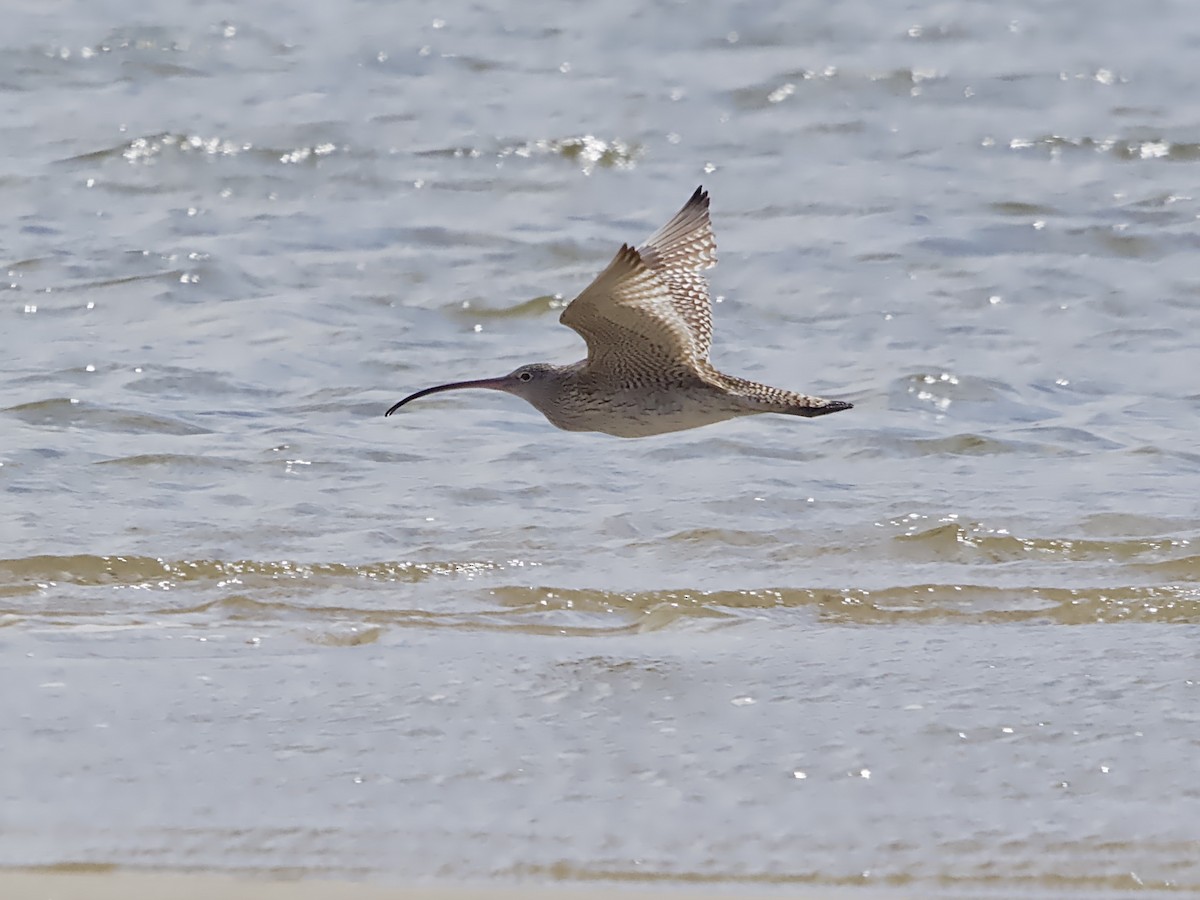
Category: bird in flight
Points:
column 647, row 321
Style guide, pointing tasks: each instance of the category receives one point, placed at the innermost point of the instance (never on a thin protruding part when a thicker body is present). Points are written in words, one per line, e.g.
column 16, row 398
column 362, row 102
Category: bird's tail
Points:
column 764, row 398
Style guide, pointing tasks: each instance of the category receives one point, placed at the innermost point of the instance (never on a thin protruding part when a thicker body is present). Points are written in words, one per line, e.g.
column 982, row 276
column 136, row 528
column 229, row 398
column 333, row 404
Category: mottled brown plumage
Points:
column 647, row 321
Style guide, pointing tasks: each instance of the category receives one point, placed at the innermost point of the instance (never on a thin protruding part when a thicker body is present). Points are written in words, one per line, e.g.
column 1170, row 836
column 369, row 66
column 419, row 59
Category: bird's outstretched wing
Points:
column 650, row 306
column 679, row 252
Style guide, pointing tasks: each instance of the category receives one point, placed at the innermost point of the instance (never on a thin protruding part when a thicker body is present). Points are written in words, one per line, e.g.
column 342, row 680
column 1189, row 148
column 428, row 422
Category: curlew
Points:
column 647, row 321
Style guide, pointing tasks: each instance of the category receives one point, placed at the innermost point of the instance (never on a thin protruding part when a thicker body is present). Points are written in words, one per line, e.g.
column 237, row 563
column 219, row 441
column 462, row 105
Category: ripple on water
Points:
column 63, row 412
column 971, row 542
column 792, row 85
column 589, row 151
column 972, row 397
column 174, row 461
column 538, row 306
column 896, row 444
column 1124, row 149
column 913, row 604
column 61, row 591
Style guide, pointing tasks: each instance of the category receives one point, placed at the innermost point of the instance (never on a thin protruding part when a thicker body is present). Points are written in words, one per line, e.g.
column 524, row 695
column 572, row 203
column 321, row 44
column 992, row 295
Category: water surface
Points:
column 945, row 640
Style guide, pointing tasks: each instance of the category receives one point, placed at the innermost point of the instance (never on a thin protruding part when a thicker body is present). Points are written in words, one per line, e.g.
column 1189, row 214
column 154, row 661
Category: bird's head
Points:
column 530, row 382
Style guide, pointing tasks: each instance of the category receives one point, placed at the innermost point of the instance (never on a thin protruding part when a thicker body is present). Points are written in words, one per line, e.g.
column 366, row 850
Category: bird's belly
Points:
column 631, row 414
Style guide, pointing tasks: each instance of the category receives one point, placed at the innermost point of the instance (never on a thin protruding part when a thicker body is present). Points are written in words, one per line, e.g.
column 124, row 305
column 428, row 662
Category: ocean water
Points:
column 946, row 640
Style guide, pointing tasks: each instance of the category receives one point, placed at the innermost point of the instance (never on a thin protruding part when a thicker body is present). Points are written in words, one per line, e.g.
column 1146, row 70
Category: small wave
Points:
column 173, row 460
column 1127, row 149
column 588, row 150
column 62, row 590
column 66, row 412
column 150, row 571
column 966, row 396
column 965, row 444
column 536, row 306
column 969, row 542
column 918, row 603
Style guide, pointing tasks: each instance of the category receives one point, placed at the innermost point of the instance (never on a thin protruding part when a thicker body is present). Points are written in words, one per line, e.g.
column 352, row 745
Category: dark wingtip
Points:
column 829, row 406
column 835, row 406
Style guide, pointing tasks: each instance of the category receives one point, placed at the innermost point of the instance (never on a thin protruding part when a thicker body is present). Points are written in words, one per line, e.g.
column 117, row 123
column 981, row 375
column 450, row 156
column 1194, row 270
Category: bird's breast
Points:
column 640, row 411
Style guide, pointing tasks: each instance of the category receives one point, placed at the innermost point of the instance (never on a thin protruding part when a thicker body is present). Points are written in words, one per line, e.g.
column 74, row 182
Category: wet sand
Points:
column 944, row 641
column 93, row 883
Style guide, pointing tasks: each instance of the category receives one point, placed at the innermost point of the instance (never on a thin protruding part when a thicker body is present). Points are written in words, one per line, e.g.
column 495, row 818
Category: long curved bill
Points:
column 491, row 384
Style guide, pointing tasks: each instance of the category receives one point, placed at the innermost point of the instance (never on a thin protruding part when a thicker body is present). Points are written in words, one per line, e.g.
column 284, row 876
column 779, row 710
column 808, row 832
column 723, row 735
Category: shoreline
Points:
column 102, row 882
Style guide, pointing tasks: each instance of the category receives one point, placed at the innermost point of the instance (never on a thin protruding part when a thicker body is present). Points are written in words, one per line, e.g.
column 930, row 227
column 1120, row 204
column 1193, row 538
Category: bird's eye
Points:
column 526, row 376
